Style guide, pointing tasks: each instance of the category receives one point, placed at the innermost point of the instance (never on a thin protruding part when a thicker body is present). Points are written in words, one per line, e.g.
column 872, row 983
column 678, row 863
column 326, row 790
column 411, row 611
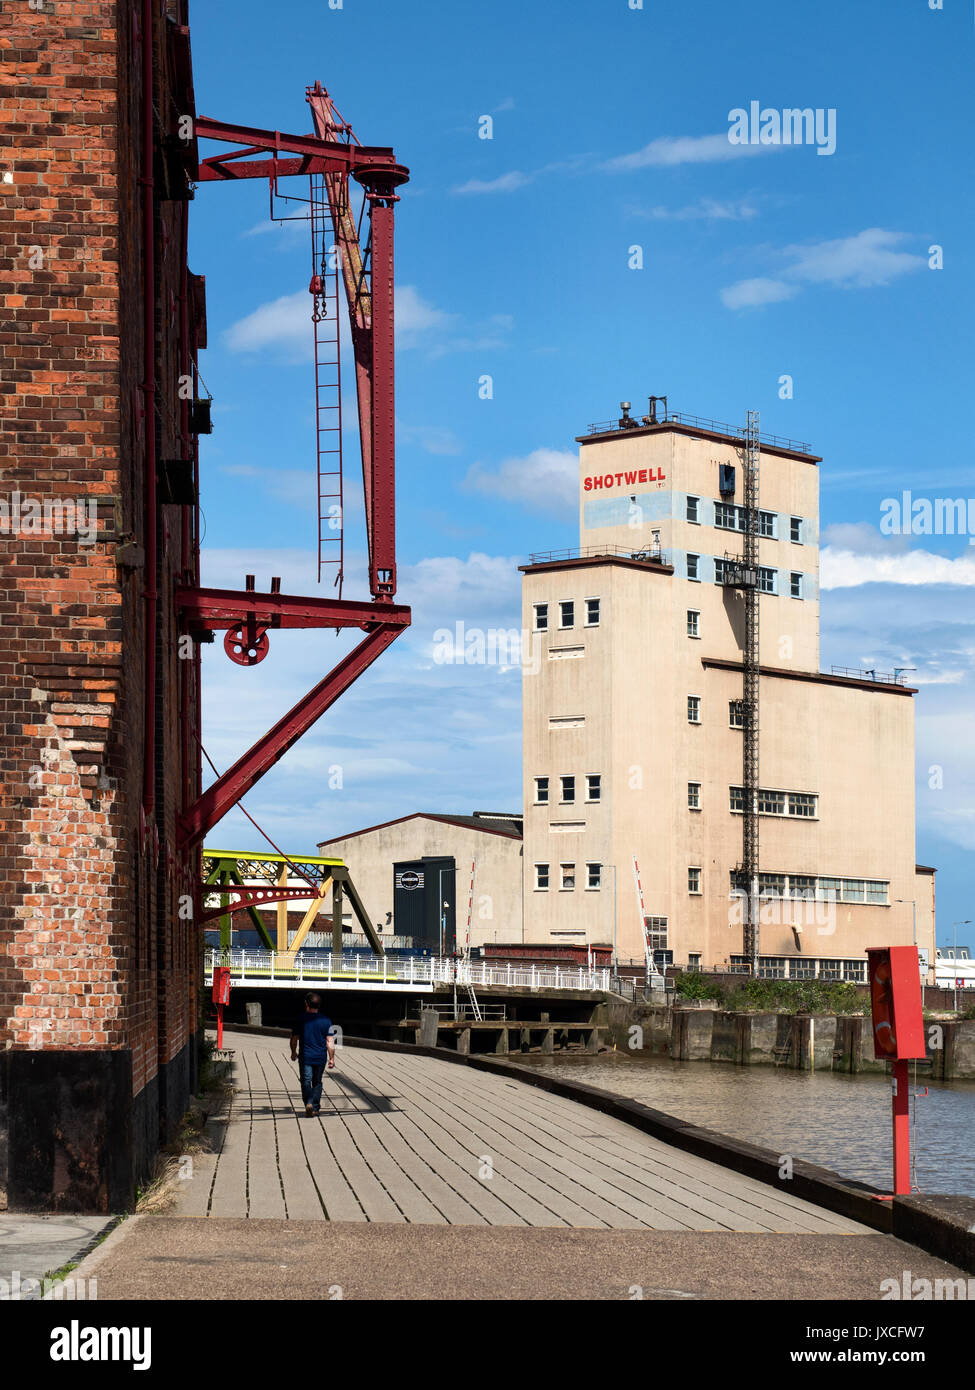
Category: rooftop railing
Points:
column 700, row 422
column 591, row 552
column 881, row 677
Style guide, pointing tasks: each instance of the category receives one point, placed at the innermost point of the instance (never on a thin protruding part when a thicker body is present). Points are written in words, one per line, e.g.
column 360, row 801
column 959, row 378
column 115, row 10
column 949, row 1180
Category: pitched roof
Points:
column 508, row 827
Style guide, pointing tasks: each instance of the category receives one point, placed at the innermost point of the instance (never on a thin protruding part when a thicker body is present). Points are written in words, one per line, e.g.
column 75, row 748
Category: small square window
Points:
column 568, row 785
column 568, row 875
column 693, row 623
column 736, row 714
column 692, row 512
column 694, row 880
column 594, row 875
column 694, row 796
column 594, row 786
column 795, row 585
column 592, row 612
column 541, row 791
column 541, row 876
column 567, row 611
column 693, row 958
column 693, row 564
column 795, row 529
column 541, row 617
column 693, row 709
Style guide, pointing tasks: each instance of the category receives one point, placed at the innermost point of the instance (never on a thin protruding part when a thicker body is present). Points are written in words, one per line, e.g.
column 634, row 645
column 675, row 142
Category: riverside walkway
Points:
column 424, row 1179
column 406, row 1138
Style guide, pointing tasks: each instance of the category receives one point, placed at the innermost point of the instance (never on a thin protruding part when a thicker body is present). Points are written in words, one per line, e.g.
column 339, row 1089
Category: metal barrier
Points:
column 367, row 970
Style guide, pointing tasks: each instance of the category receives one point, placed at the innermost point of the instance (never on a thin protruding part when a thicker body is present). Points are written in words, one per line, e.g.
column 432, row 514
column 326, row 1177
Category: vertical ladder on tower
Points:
column 324, row 288
column 750, row 691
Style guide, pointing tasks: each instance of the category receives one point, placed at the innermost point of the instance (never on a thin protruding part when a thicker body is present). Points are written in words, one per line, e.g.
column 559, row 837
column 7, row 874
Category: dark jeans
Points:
column 311, row 1082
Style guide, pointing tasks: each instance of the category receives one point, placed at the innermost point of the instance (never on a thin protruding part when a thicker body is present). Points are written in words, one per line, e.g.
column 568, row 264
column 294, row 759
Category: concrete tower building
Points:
column 632, row 723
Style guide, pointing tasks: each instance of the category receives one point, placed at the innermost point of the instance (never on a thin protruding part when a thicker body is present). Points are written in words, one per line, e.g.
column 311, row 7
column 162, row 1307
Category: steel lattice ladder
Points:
column 328, row 385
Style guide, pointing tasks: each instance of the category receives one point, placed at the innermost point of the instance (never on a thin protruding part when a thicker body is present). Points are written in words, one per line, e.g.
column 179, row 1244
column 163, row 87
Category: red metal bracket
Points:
column 200, row 818
column 239, row 899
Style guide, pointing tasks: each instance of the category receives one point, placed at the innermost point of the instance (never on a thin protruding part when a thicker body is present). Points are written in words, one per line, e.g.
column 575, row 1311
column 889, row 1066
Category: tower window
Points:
column 693, row 623
column 541, row 877
column 594, row 875
column 693, row 709
column 568, row 875
column 692, row 509
column 541, row 617
column 693, row 563
column 541, row 791
column 567, row 613
column 693, row 880
column 795, row 529
column 594, row 786
column 568, row 785
column 592, row 612
column 693, row 796
column 795, row 585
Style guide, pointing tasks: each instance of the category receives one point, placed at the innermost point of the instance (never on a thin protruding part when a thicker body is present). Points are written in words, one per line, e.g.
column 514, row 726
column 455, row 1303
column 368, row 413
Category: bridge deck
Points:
column 405, row 1138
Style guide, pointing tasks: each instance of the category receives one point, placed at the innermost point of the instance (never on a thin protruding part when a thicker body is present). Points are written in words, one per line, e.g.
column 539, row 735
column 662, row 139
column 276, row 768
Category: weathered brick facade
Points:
column 98, row 972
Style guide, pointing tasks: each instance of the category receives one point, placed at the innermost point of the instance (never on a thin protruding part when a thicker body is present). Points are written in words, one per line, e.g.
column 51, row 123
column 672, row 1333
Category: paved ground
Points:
column 425, row 1180
column 37, row 1245
column 159, row 1257
column 406, row 1138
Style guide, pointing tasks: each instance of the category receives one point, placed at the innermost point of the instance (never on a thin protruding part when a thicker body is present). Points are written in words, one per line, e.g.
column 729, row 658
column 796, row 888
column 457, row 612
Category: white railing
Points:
column 365, row 968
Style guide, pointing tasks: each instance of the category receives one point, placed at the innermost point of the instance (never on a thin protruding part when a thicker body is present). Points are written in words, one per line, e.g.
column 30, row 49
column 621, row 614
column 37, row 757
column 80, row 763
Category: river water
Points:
column 840, row 1121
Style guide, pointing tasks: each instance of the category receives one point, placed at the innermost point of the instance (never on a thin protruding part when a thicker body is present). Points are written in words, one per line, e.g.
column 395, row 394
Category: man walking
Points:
column 312, row 1047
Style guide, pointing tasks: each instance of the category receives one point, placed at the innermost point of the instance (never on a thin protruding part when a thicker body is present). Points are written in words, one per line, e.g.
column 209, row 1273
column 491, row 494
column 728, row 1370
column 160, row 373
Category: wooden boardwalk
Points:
column 404, row 1138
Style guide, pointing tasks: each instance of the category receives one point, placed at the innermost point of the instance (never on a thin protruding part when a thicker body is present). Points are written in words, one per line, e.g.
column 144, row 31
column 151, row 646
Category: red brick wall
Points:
column 94, row 955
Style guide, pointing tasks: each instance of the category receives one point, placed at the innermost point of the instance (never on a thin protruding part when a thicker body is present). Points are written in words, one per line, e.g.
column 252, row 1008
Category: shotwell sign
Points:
column 629, row 478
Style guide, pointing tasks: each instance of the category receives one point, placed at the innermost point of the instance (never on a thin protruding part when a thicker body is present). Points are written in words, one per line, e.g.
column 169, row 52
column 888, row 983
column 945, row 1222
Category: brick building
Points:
column 98, row 971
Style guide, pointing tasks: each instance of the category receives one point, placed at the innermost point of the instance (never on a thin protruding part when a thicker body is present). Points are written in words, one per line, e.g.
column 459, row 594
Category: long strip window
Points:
column 804, row 805
column 822, row 888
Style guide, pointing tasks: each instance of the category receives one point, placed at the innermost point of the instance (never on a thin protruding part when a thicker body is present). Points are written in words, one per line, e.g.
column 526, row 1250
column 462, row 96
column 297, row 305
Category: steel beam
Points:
column 218, row 609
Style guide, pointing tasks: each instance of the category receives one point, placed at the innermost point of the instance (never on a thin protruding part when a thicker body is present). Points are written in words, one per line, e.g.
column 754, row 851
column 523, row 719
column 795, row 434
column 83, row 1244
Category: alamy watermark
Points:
column 493, row 646
column 49, row 516
column 908, row 515
column 758, row 125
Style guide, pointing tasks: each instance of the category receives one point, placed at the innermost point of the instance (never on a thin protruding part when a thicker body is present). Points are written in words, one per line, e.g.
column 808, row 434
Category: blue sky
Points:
column 513, row 260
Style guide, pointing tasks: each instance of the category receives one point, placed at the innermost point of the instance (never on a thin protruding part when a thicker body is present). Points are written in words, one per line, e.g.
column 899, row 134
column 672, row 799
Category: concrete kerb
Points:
column 943, row 1226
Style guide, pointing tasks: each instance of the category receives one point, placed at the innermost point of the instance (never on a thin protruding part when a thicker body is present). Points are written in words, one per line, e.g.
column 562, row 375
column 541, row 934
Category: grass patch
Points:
column 774, row 996
column 160, row 1192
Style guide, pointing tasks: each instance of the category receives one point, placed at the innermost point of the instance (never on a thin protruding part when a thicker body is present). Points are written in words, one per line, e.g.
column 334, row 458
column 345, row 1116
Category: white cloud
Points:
column 868, row 259
column 416, row 316
column 705, row 209
column 748, row 294
column 845, row 569
column 861, row 537
column 433, row 439
column 546, row 480
column 283, row 324
column 504, row 183
column 670, row 150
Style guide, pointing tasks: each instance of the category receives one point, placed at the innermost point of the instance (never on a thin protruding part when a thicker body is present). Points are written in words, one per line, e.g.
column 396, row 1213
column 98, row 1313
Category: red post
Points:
column 898, row 1036
column 902, row 1133
column 219, row 1026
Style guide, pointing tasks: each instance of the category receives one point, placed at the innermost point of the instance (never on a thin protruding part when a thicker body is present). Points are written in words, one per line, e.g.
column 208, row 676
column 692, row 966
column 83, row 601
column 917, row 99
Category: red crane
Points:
column 365, row 266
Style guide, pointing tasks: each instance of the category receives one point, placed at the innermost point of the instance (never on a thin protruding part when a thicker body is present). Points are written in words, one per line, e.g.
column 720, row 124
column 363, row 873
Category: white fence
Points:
column 367, row 970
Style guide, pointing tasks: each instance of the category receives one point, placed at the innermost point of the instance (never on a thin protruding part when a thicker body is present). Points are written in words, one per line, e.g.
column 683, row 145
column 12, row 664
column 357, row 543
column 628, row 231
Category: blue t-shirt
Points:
column 311, row 1031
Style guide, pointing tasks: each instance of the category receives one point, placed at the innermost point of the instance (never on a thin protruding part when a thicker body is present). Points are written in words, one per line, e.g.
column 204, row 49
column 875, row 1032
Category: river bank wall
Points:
column 802, row 1042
